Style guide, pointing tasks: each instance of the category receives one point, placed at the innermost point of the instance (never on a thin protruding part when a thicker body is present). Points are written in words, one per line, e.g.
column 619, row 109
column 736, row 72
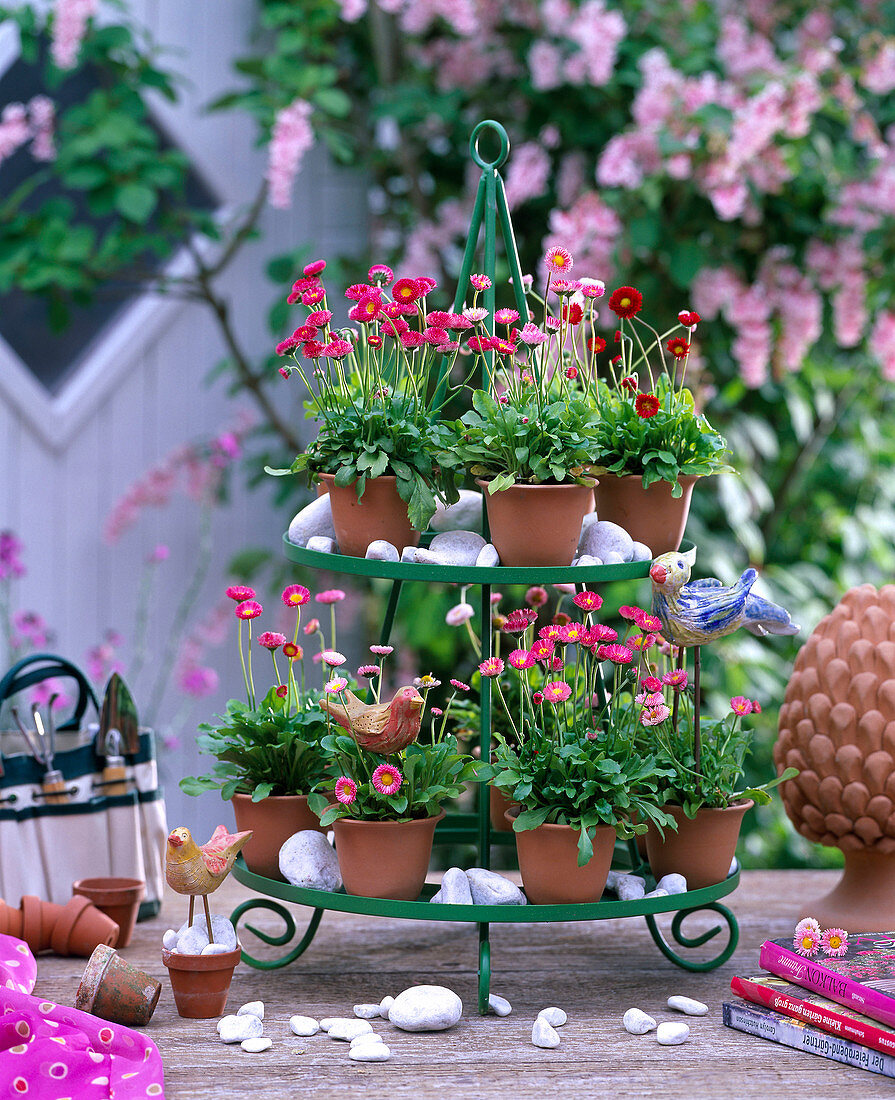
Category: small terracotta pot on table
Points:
column 118, row 898
column 114, row 990
column 200, row 983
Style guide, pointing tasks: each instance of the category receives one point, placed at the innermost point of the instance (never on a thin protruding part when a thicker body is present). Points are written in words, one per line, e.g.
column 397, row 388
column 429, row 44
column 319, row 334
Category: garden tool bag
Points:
column 98, row 821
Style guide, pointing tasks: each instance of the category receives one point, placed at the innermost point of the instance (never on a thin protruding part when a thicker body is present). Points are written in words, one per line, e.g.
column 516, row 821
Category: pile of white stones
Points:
column 632, row 887
column 543, row 1030
column 477, row 887
column 670, row 1033
column 193, row 939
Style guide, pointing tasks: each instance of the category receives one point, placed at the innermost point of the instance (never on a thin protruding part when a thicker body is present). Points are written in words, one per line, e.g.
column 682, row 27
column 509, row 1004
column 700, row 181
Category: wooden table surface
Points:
column 595, row 971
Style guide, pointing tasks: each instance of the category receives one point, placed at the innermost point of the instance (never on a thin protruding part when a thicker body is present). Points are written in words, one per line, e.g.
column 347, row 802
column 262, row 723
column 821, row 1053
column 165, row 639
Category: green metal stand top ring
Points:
column 489, row 124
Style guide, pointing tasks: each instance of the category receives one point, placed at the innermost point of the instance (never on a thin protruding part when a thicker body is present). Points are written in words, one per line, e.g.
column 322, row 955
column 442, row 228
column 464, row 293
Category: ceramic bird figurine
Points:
column 699, row 613
column 191, row 869
column 379, row 727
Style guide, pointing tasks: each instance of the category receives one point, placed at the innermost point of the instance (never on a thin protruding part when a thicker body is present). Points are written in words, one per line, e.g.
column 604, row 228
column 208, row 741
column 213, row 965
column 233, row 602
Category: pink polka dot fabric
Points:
column 50, row 1052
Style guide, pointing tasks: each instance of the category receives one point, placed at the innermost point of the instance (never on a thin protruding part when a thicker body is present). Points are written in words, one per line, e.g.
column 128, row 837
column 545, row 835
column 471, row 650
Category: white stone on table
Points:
column 321, row 545
column 500, row 1006
column 169, row 940
column 657, row 893
column 252, row 1008
column 307, row 859
column 256, row 1045
column 315, row 518
column 232, row 1016
column 488, row 556
column 464, row 515
column 233, row 1029
column 384, row 1005
column 367, row 1012
column 637, row 1022
column 641, row 552
column 688, row 1005
column 672, row 884
column 630, row 887
column 554, row 1016
column 370, row 1052
column 347, row 1029
column 602, row 539
column 327, row 1022
column 303, row 1025
column 490, row 888
column 452, row 548
column 369, row 1037
column 382, row 550
column 455, row 887
column 544, row 1035
column 672, row 1034
column 215, row 949
column 426, row 1008
column 613, row 879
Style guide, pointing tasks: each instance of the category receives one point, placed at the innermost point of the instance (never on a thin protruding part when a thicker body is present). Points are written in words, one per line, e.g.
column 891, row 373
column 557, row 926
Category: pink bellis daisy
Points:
column 387, row 779
column 367, row 672
column 382, row 650
column 618, row 654
column 459, row 685
column 333, row 658
column 520, row 659
column 649, row 624
column 653, row 716
column 677, row 678
column 536, row 596
column 558, row 260
column 587, row 601
column 331, row 595
column 740, row 705
column 492, row 667
column 557, row 691
column 335, row 685
column 240, row 593
column 651, row 683
column 480, row 282
column 296, row 595
column 537, row 698
column 271, row 640
column 250, row 609
column 292, row 651
column 345, row 790
column 806, row 942
column 459, row 614
column 631, row 613
column 834, row 942
column 311, row 626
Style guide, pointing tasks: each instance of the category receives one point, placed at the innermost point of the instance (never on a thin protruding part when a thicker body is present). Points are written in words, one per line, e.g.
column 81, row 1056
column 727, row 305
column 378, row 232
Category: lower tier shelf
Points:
column 681, row 905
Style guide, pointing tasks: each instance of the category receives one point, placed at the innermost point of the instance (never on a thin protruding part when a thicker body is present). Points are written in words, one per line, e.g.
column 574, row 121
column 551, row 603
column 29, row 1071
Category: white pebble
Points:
column 255, row 1046
column 232, row 1016
column 367, row 1037
column 370, row 1052
column 674, row 884
column 543, row 1035
column 233, row 1029
column 252, row 1008
column 348, row 1029
column 637, row 1022
column 367, row 1012
column 672, row 1034
column 499, row 1005
column 657, row 893
column 384, row 1005
column 215, row 949
column 327, row 1022
column 630, row 888
column 688, row 1005
column 554, row 1016
column 169, row 940
column 303, row 1025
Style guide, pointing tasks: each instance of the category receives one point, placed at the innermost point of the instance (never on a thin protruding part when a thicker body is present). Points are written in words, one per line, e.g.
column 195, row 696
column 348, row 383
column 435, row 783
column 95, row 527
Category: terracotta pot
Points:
column 536, row 524
column 10, row 921
column 272, row 821
column 702, row 848
column 379, row 514
column 651, row 516
column 200, row 983
column 38, row 918
column 499, row 803
column 385, row 859
column 548, row 862
column 114, row 990
column 863, row 900
column 118, row 898
column 81, row 927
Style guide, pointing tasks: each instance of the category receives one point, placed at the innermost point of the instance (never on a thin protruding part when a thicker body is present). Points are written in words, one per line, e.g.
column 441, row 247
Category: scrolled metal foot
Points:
column 696, row 941
column 484, row 969
column 276, row 941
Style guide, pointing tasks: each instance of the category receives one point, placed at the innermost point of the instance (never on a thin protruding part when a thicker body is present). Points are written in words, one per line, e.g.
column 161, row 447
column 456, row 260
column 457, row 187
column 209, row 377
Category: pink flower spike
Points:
column 587, row 601
column 331, row 595
column 240, row 593
column 271, row 640
column 387, row 779
column 333, row 658
column 250, row 609
column 296, row 595
column 382, row 650
column 480, row 282
column 459, row 685
column 492, row 667
column 337, row 684
column 557, row 691
column 806, row 942
column 345, row 790
column 740, row 705
column 834, row 942
column 520, row 659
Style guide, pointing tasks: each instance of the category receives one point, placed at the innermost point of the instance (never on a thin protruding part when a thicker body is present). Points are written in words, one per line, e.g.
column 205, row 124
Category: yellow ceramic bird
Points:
column 379, row 727
column 191, row 869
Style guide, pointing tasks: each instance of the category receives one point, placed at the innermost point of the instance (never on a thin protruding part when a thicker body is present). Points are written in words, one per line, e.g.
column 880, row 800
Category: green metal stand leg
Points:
column 484, row 969
column 276, row 941
column 696, row 941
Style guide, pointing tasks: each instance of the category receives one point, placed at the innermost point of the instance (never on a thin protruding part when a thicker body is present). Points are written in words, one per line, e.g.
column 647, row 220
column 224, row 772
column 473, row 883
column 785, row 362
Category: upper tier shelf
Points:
column 471, row 574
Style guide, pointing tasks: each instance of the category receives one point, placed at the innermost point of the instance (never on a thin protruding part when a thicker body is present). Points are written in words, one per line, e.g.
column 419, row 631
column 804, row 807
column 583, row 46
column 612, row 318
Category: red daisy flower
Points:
column 688, row 318
column 626, row 301
column 313, row 349
column 406, row 290
column 358, row 290
column 678, row 347
column 629, row 383
column 285, row 346
column 314, row 268
column 646, row 405
column 573, row 313
column 596, row 344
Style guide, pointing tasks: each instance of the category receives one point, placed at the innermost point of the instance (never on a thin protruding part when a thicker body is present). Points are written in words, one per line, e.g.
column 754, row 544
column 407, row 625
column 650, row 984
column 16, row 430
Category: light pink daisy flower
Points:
column 296, row 595
column 250, row 609
column 382, row 650
column 271, row 640
column 807, row 922
column 557, row 691
column 834, row 942
column 618, row 654
column 677, row 678
column 806, row 942
column 506, row 316
column 474, row 315
column 492, row 667
column 240, row 593
column 558, row 259
column 311, row 626
column 653, row 716
column 520, row 659
column 367, row 672
column 740, row 705
column 649, row 699
column 335, row 685
column 460, row 686
column 345, row 790
column 530, row 334
column 333, row 658
column 536, row 596
column 459, row 614
column 480, row 282
column 587, row 601
column 331, row 595
column 387, row 779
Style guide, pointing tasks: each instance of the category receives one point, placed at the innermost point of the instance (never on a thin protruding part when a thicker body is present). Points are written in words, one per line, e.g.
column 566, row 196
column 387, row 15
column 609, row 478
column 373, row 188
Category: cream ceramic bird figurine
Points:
column 191, row 869
column 379, row 727
column 699, row 613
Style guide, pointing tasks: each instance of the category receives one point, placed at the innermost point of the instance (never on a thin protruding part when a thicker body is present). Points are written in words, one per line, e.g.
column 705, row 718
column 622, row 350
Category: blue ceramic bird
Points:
column 701, row 612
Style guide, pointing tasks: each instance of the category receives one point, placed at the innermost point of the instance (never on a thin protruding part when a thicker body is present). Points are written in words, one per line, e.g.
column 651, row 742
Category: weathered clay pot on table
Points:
column 114, row 990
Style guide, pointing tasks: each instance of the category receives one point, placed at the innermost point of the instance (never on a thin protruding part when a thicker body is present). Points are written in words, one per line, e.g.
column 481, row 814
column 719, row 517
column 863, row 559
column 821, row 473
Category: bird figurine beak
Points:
column 175, row 841
column 659, row 573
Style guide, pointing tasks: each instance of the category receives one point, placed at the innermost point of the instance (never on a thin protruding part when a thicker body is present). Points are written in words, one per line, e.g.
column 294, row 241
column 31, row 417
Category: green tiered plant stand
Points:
column 490, row 211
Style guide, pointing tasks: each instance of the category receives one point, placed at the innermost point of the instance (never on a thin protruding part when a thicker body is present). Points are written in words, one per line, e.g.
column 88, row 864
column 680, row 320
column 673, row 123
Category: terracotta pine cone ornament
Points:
column 837, row 726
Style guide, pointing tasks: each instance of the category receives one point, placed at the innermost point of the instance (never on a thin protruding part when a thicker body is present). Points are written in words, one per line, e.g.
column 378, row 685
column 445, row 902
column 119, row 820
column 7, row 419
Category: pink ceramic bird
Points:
column 379, row 727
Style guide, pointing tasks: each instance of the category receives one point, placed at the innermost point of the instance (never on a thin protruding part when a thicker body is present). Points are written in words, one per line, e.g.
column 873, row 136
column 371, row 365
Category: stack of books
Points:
column 839, row 1008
